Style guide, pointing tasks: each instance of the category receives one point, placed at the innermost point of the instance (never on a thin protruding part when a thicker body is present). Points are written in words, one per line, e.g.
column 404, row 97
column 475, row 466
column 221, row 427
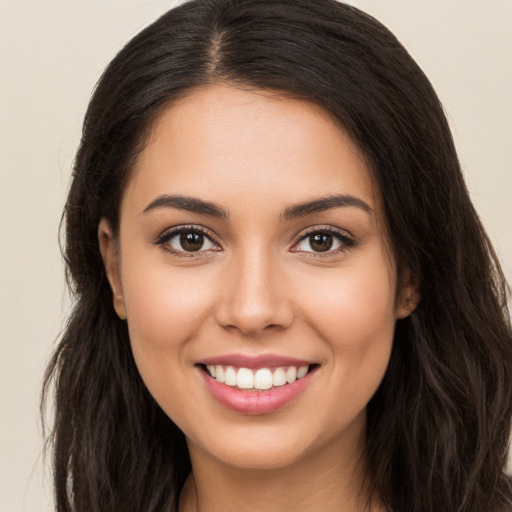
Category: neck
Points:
column 328, row 480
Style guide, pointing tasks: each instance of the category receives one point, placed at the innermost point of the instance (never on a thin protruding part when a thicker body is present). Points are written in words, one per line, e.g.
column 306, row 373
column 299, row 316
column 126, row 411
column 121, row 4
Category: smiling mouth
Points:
column 258, row 379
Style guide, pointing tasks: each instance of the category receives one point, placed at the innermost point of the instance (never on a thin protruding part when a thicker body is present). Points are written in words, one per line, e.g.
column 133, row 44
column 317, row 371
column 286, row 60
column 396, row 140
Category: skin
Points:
column 259, row 288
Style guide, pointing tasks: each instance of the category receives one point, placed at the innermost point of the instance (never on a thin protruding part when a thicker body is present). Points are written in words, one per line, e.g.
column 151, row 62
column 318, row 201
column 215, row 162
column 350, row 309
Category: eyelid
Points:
column 173, row 231
column 346, row 239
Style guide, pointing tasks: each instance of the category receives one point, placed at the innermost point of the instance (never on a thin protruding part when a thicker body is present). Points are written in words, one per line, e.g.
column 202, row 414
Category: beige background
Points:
column 51, row 55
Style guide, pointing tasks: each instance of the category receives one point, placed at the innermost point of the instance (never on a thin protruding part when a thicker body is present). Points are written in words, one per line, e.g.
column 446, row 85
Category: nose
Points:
column 254, row 296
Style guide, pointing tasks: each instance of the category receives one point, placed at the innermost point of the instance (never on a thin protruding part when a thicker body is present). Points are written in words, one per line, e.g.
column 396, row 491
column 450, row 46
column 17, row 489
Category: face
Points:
column 255, row 274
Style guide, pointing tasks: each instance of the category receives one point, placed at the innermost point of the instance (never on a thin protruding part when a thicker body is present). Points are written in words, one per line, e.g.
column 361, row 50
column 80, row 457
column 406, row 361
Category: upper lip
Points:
column 254, row 362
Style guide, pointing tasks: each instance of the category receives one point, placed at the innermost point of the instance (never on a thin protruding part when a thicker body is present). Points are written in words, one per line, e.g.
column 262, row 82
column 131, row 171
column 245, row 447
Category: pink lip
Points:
column 255, row 402
column 253, row 362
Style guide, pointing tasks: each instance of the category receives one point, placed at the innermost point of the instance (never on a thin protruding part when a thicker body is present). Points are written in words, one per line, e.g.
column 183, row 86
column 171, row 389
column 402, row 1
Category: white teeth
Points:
column 279, row 377
column 245, row 378
column 230, row 376
column 291, row 374
column 301, row 372
column 219, row 370
column 261, row 379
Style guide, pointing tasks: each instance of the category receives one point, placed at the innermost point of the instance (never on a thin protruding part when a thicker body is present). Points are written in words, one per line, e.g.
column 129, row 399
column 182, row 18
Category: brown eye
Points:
column 192, row 242
column 321, row 242
column 324, row 241
column 187, row 241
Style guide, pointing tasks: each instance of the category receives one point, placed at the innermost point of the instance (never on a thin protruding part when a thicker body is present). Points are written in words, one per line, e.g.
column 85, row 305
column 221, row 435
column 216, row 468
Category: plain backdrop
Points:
column 52, row 54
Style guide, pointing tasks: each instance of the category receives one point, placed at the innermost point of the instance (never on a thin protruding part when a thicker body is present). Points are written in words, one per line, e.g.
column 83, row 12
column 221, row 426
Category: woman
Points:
column 285, row 299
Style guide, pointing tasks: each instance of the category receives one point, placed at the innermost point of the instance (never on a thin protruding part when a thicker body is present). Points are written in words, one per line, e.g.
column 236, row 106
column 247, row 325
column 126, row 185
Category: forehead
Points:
column 221, row 140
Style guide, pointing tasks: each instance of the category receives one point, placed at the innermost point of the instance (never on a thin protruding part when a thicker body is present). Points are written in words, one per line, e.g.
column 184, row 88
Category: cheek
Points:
column 165, row 308
column 353, row 313
column 353, row 301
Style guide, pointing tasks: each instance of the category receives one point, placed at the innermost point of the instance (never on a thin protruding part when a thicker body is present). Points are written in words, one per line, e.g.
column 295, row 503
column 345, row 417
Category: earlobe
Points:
column 409, row 296
column 110, row 255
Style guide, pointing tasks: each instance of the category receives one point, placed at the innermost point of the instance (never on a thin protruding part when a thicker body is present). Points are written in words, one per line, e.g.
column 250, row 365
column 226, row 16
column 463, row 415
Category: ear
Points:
column 409, row 295
column 110, row 254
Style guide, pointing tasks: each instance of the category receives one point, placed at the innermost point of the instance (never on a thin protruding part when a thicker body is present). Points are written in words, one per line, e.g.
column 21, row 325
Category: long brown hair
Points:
column 438, row 426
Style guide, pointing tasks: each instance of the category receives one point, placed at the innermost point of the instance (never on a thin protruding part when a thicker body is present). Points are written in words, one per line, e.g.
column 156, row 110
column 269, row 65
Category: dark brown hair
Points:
column 438, row 426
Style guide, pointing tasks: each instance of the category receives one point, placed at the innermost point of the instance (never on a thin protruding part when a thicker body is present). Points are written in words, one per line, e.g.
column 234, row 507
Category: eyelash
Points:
column 346, row 242
column 164, row 239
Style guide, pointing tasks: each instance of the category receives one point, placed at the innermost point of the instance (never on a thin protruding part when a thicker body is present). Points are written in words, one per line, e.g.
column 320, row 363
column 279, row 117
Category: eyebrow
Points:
column 323, row 204
column 202, row 207
column 190, row 204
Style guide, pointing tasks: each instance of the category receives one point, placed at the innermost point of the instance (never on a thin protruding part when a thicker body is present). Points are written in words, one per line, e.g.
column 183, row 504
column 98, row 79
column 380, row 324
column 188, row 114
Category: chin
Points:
column 273, row 456
column 268, row 446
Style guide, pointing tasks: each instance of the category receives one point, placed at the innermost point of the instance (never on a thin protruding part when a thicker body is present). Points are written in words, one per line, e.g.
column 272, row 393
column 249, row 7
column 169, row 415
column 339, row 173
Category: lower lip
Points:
column 255, row 402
